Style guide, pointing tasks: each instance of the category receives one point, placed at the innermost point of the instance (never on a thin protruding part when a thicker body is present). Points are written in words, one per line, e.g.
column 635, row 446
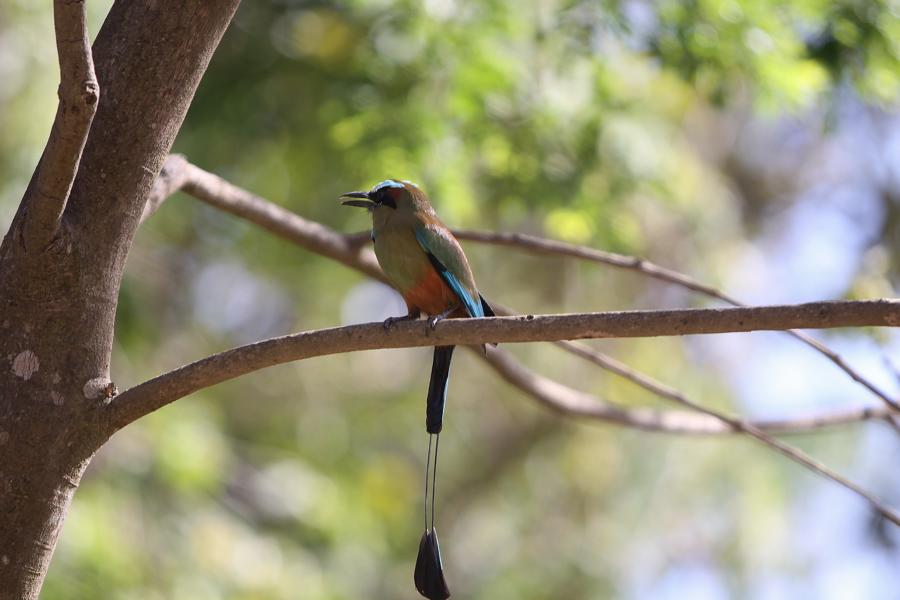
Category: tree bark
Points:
column 58, row 299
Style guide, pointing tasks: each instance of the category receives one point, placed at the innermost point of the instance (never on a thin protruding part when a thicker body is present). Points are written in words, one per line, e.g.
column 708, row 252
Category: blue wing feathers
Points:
column 473, row 306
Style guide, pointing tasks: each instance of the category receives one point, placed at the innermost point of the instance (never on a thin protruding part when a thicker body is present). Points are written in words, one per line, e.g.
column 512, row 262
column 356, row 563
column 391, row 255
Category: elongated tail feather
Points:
column 429, row 573
column 437, row 389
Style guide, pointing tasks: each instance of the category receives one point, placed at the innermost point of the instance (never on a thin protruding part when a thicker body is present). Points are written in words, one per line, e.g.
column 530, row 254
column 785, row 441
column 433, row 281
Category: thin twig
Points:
column 570, row 402
column 215, row 191
column 541, row 245
column 788, row 425
column 47, row 193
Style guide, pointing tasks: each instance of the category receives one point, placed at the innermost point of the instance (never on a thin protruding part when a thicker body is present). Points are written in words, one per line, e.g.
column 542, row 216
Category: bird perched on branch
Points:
column 426, row 264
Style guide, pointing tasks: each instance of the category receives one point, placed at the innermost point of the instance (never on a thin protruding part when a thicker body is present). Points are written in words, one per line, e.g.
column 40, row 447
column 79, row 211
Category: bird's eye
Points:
column 387, row 192
column 386, row 196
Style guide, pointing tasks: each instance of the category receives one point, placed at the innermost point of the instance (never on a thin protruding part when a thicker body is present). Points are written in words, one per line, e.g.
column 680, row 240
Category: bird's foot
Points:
column 433, row 321
column 389, row 322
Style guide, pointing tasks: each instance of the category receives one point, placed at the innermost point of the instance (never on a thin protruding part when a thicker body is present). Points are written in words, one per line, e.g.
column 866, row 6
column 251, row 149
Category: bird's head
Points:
column 390, row 195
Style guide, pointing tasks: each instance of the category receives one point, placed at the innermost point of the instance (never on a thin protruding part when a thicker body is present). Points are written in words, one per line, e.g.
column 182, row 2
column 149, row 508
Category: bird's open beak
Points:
column 363, row 201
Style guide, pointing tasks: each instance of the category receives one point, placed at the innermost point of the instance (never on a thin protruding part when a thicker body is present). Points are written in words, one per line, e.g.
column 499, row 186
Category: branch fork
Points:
column 79, row 94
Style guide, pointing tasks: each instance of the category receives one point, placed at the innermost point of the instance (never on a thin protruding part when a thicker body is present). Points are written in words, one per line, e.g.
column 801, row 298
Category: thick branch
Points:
column 161, row 390
column 59, row 301
column 46, row 196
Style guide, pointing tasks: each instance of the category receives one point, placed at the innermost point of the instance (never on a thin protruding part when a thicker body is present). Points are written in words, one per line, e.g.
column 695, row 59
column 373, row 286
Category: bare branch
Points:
column 341, row 247
column 797, row 456
column 171, row 178
column 143, row 398
column 541, row 245
column 217, row 192
column 46, row 196
column 562, row 402
column 161, row 390
column 792, row 425
column 574, row 403
column 166, row 388
column 178, row 172
column 579, row 404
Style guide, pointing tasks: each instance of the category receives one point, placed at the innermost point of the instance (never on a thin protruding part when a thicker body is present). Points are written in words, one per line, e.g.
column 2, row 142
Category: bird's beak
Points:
column 363, row 202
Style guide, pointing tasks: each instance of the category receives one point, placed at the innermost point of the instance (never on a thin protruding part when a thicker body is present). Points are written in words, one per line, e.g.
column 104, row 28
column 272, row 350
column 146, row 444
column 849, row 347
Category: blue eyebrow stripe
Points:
column 387, row 183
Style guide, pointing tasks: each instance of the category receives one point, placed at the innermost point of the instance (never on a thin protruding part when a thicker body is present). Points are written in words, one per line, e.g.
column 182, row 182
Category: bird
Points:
column 425, row 263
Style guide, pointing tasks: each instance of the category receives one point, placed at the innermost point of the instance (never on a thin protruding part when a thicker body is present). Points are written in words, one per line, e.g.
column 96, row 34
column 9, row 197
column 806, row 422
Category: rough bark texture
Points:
column 58, row 299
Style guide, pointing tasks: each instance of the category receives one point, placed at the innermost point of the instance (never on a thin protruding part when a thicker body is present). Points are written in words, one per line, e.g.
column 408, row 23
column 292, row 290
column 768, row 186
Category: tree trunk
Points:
column 58, row 302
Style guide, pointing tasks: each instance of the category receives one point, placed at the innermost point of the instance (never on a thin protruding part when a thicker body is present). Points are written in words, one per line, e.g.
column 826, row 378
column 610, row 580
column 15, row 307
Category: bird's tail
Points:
column 437, row 388
column 429, row 573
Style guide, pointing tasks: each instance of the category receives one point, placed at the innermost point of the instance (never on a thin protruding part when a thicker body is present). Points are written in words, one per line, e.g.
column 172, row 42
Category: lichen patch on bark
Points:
column 25, row 364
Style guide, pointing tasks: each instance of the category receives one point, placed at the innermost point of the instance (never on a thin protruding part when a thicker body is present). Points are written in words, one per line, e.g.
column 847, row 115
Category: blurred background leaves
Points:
column 755, row 145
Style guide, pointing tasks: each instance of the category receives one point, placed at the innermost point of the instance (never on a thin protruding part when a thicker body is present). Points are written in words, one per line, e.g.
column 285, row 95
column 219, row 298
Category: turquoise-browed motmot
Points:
column 426, row 264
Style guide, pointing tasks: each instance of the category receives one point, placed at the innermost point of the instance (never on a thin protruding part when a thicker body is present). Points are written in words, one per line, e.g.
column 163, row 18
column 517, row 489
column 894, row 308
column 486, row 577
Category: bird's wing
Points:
column 486, row 308
column 446, row 255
